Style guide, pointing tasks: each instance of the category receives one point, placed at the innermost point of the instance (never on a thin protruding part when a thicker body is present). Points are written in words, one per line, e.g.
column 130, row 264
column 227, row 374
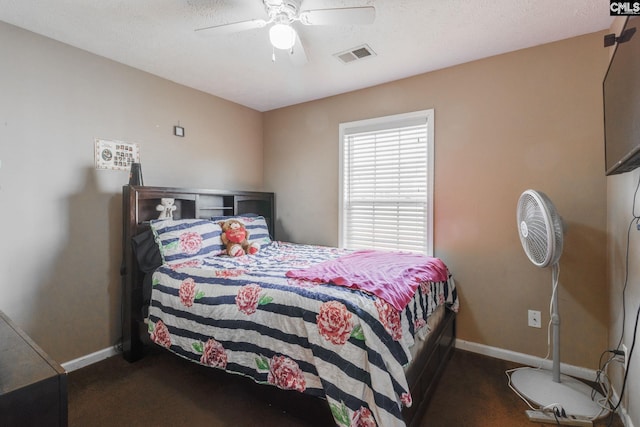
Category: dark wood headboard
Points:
column 139, row 207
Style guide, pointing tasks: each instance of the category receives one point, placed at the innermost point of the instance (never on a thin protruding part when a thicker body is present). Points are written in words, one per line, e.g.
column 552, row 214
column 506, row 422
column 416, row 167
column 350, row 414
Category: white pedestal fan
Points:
column 541, row 233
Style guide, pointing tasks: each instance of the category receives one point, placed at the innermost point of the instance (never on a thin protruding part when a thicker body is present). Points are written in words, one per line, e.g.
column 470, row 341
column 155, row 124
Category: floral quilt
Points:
column 243, row 315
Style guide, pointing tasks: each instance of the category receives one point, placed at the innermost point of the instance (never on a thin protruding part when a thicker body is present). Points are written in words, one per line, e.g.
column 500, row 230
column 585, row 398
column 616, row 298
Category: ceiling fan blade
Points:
column 231, row 28
column 298, row 56
column 339, row 16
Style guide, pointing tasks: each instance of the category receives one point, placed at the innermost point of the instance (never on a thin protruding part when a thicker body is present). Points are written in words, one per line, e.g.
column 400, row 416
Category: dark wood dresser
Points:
column 33, row 387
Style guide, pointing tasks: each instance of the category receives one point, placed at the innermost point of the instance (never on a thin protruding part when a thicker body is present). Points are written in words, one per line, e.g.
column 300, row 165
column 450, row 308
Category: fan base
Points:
column 574, row 396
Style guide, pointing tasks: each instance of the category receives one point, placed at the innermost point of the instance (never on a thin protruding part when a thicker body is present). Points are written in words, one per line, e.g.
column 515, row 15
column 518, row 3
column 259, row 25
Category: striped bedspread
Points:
column 245, row 316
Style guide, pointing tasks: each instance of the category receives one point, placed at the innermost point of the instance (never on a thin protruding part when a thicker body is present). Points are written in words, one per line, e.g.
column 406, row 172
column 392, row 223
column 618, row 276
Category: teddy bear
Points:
column 166, row 208
column 236, row 238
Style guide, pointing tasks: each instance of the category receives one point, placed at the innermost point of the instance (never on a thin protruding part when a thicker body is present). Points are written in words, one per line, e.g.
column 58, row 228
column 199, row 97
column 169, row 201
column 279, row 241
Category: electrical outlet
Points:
column 534, row 319
column 626, row 357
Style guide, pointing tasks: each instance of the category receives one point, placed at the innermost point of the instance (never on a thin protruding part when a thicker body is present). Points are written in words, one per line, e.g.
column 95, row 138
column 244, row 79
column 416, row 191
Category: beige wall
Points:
column 527, row 119
column 620, row 213
column 60, row 218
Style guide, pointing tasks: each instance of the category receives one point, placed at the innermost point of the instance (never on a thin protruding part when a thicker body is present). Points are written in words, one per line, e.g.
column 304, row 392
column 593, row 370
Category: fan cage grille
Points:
column 540, row 228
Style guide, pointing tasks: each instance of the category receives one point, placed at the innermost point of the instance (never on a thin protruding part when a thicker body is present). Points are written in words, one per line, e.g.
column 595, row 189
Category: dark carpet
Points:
column 164, row 390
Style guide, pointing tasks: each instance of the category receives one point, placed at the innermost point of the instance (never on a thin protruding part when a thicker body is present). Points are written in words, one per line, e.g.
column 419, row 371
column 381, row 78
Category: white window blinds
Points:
column 386, row 183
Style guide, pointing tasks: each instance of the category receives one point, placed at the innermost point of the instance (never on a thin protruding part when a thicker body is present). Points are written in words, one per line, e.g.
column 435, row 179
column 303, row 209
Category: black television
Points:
column 621, row 92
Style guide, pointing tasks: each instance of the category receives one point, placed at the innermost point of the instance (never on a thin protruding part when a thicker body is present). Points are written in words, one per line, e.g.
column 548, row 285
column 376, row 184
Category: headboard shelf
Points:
column 221, row 210
column 139, row 208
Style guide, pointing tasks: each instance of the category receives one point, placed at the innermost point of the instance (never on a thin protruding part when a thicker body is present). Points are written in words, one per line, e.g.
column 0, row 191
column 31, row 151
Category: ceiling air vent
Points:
column 357, row 53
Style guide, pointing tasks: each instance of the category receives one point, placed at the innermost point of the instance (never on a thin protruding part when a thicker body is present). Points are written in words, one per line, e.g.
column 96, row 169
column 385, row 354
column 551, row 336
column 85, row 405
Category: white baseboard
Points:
column 498, row 353
column 624, row 416
column 89, row 359
column 526, row 359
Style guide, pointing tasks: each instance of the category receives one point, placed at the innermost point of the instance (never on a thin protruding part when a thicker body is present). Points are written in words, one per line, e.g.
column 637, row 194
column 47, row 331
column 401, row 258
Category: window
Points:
column 386, row 183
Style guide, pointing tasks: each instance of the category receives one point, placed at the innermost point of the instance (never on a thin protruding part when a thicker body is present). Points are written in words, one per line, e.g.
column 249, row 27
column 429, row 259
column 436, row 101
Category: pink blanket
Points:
column 392, row 276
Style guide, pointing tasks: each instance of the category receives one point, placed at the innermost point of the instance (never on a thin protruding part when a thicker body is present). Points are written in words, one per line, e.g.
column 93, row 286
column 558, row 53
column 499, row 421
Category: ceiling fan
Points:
column 281, row 14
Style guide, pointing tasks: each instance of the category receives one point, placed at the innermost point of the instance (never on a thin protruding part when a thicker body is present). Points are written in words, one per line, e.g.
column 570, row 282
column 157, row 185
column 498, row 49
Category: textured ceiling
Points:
column 409, row 37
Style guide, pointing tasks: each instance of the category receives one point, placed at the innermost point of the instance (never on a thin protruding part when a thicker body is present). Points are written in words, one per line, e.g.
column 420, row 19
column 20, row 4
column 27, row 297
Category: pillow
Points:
column 146, row 251
column 187, row 239
column 256, row 225
column 148, row 256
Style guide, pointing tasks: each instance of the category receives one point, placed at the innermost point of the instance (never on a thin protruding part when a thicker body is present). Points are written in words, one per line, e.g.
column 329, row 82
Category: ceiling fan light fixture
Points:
column 282, row 36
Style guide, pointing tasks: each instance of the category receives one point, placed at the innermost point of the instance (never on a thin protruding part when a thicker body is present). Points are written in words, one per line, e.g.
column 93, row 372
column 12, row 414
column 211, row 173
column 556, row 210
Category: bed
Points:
column 270, row 317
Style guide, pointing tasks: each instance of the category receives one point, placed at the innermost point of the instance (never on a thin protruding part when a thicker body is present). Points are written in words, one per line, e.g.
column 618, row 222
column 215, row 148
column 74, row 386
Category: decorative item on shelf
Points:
column 135, row 176
column 166, row 208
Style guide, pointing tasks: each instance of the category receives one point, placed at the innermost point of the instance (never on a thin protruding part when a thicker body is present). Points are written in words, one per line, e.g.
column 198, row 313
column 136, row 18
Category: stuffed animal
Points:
column 236, row 238
column 166, row 208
